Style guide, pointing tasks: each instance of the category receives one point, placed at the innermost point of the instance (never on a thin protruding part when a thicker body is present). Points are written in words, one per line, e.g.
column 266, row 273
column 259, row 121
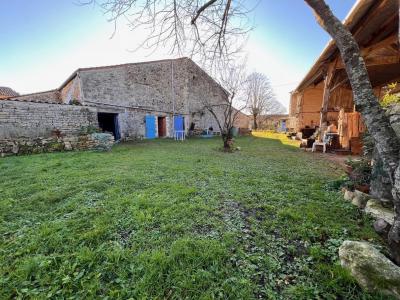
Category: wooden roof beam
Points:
column 389, row 27
column 376, row 9
column 339, row 84
column 382, row 44
column 376, row 61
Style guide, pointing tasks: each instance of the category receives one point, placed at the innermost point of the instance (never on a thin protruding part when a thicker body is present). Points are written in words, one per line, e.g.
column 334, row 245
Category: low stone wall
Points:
column 22, row 145
column 33, row 120
column 36, row 127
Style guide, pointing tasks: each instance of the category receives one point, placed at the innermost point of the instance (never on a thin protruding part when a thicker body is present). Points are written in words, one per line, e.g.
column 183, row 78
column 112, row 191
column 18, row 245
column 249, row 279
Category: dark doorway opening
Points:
column 109, row 123
column 162, row 126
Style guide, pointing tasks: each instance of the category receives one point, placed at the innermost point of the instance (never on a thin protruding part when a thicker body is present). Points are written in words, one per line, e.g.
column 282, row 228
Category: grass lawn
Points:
column 176, row 220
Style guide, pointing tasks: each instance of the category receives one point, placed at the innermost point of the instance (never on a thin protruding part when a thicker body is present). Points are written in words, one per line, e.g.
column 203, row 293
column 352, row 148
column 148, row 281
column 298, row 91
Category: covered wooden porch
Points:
column 324, row 97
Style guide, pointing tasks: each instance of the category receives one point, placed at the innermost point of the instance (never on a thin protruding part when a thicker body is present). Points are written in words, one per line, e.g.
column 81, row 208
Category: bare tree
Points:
column 260, row 97
column 232, row 78
column 386, row 141
column 209, row 30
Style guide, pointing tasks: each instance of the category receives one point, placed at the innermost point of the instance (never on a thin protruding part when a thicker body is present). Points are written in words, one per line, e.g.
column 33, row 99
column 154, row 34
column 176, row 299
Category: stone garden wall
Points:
column 32, row 127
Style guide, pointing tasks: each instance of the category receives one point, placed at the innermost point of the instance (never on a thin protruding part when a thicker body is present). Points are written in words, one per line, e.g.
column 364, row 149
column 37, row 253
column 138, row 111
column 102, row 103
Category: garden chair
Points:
column 323, row 143
column 179, row 135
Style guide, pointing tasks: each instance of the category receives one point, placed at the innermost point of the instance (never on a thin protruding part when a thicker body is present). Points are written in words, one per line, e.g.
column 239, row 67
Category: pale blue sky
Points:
column 44, row 41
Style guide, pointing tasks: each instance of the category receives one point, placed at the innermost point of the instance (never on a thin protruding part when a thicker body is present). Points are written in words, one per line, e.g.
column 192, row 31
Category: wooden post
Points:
column 325, row 98
column 299, row 112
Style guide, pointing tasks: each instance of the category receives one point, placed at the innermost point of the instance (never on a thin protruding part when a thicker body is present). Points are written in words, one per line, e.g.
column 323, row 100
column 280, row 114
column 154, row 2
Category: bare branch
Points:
column 201, row 9
column 207, row 31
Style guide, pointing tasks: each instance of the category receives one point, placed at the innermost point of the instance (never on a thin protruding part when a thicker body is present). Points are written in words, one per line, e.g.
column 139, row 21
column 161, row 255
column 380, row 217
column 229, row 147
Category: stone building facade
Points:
column 128, row 100
column 130, row 92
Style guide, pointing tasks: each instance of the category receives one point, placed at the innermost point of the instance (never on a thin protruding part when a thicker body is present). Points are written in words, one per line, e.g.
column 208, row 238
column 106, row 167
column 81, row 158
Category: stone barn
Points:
column 136, row 100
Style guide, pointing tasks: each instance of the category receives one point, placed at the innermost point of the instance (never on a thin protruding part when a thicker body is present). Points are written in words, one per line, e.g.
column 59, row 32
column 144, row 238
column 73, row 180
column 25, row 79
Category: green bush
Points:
column 361, row 173
column 390, row 96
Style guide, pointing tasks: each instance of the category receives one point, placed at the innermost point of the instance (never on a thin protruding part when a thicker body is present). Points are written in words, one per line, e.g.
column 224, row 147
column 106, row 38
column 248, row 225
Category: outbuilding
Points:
column 325, row 96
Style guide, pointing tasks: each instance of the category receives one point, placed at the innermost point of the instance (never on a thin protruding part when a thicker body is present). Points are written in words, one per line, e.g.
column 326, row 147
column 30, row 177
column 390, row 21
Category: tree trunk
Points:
column 255, row 122
column 227, row 139
column 380, row 186
column 386, row 141
column 227, row 146
column 394, row 233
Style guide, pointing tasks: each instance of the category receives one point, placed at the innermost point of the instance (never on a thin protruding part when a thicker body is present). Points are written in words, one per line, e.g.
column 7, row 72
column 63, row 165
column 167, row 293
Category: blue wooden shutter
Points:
column 178, row 122
column 178, row 125
column 150, row 127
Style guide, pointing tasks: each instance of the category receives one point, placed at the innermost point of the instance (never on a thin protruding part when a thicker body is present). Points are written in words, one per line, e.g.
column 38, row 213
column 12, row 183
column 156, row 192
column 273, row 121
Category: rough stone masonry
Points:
column 32, row 127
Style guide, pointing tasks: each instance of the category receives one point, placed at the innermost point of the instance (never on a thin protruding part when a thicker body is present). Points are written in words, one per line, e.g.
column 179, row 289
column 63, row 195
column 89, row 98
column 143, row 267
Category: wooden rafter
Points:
column 372, row 59
column 382, row 44
column 387, row 28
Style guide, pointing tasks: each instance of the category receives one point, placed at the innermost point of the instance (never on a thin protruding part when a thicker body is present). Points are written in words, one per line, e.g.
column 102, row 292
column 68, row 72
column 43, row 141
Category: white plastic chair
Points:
column 323, row 144
column 179, row 135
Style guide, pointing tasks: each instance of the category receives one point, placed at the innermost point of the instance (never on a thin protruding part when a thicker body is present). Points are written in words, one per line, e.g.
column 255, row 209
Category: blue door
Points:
column 179, row 126
column 150, row 127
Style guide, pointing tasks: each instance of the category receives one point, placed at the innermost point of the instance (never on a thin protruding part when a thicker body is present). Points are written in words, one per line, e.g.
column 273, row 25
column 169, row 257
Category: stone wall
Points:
column 160, row 88
column 133, row 125
column 26, row 125
column 202, row 89
column 151, row 85
column 71, row 91
column 23, row 145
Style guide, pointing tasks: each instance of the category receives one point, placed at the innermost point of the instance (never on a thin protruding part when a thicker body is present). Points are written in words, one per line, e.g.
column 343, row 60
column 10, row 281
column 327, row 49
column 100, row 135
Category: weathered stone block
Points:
column 372, row 270
column 348, row 195
column 360, row 199
column 377, row 211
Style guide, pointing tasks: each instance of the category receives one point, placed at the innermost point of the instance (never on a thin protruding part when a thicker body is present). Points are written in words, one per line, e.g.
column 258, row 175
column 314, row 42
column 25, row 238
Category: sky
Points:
column 43, row 41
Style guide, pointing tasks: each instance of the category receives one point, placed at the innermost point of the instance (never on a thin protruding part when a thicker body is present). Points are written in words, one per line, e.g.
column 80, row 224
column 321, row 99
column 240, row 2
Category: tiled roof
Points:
column 52, row 96
column 8, row 92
